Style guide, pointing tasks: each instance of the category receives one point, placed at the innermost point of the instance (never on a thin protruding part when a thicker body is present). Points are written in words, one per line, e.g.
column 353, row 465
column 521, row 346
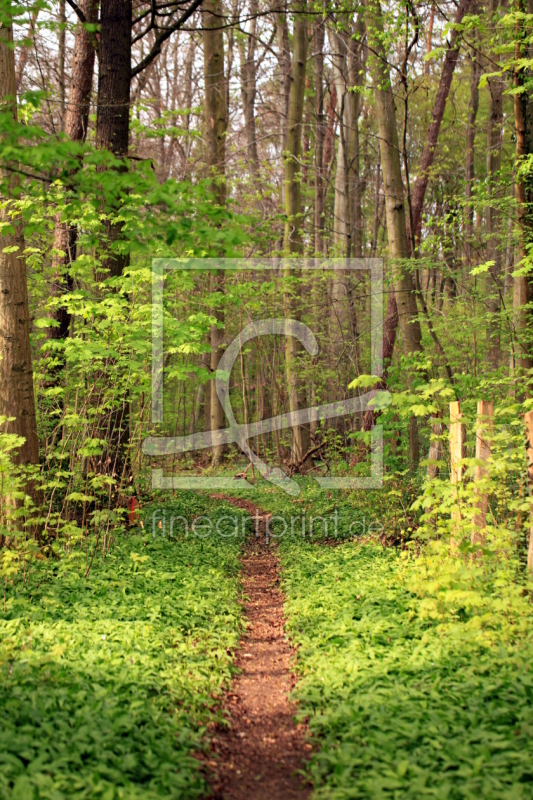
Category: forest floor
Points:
column 121, row 684
column 261, row 753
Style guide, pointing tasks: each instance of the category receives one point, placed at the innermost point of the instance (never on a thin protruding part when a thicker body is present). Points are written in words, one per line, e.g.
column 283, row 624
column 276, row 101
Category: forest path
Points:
column 258, row 756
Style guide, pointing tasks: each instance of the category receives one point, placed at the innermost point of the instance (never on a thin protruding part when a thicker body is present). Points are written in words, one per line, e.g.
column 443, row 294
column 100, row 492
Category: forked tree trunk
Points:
column 293, row 238
column 17, row 398
column 215, row 141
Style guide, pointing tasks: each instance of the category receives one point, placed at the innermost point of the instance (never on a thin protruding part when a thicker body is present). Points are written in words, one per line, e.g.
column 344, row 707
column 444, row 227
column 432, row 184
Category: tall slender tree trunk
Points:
column 113, row 104
column 320, row 133
column 249, row 90
column 112, row 133
column 437, row 113
column 293, row 238
column 394, row 315
column 76, row 124
column 342, row 218
column 394, row 196
column 494, row 285
column 284, row 65
column 355, row 76
column 24, row 50
column 17, row 399
column 62, row 19
column 215, row 135
column 473, row 106
column 522, row 289
column 429, row 40
column 347, row 68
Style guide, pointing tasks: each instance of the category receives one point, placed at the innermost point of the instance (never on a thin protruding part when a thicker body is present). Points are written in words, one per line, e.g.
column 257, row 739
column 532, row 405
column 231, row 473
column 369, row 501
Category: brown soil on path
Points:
column 259, row 755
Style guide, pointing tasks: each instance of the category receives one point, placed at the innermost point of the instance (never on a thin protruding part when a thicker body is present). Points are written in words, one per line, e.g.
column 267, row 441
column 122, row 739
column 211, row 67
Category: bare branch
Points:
column 163, row 36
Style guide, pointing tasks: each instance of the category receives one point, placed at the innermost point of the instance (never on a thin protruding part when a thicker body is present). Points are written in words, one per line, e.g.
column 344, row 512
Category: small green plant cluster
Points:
column 108, row 682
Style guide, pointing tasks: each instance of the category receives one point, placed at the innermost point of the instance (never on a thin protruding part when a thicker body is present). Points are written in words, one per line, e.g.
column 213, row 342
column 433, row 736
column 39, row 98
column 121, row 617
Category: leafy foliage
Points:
column 413, row 690
column 109, row 682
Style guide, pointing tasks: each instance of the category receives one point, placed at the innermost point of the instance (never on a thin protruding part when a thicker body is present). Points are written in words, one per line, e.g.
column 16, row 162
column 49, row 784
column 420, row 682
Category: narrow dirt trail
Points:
column 259, row 755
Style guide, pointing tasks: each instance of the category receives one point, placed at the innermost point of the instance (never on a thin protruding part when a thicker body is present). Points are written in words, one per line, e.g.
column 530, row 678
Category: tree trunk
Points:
column 347, row 68
column 249, row 90
column 62, row 19
column 355, row 76
column 319, row 136
column 394, row 197
column 428, row 153
column 114, row 76
column 522, row 292
column 429, row 41
column 76, row 123
column 215, row 135
column 473, row 106
column 24, row 50
column 112, row 133
column 17, row 398
column 293, row 240
column 432, row 135
column 113, row 104
column 494, row 286
column 284, row 63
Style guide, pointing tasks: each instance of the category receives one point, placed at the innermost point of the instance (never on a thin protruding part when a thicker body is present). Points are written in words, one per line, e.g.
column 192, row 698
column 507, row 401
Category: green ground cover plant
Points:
column 406, row 703
column 108, row 682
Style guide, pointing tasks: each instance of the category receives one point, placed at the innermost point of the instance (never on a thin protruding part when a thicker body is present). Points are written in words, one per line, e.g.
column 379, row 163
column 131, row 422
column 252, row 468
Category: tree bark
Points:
column 249, row 90
column 284, row 64
column 215, row 135
column 522, row 289
column 473, row 106
column 319, row 136
column 113, row 104
column 426, row 160
column 114, row 76
column 394, row 197
column 24, row 50
column 342, row 217
column 429, row 41
column 494, row 287
column 76, row 124
column 293, row 239
column 432, row 135
column 62, row 19
column 17, row 398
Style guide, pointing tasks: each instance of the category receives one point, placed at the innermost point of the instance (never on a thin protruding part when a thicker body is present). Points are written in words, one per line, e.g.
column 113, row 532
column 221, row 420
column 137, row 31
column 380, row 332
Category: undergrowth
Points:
column 108, row 683
column 412, row 690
